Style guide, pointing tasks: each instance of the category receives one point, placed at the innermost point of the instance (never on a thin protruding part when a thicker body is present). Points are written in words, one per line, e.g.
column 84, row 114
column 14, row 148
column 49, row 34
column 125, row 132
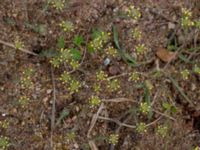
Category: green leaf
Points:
column 48, row 53
column 96, row 33
column 76, row 55
column 61, row 42
column 78, row 40
column 125, row 56
column 63, row 114
column 175, row 83
column 148, row 100
column 183, row 58
column 166, row 106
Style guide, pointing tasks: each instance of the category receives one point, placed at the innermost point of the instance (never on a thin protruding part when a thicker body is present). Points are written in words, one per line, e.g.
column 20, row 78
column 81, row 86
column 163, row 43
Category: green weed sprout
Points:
column 4, row 143
column 113, row 85
column 162, row 130
column 197, row 148
column 186, row 21
column 141, row 127
column 185, row 74
column 111, row 51
column 134, row 77
column 140, row 49
column 134, row 12
column 197, row 69
column 26, row 81
column 58, row 4
column 18, row 44
column 137, row 34
column 23, row 101
column 4, row 124
column 94, row 101
column 145, row 108
column 113, row 139
column 67, row 26
column 101, row 76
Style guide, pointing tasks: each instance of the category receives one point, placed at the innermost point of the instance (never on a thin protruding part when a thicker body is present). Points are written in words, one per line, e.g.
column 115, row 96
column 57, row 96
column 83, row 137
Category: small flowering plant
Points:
column 18, row 44
column 99, row 39
column 26, row 81
column 145, row 108
column 141, row 127
column 58, row 4
column 162, row 130
column 111, row 51
column 67, row 26
column 134, row 76
column 137, row 34
column 140, row 49
column 113, row 139
column 186, row 19
column 23, row 101
column 134, row 12
column 94, row 101
column 113, row 85
column 185, row 74
column 4, row 143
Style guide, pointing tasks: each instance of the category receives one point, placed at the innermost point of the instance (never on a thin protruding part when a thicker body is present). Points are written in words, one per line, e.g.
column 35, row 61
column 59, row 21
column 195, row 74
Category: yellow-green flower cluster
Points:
column 18, row 44
column 111, row 51
column 145, row 108
column 141, row 127
column 4, row 143
column 134, row 77
column 74, row 64
column 65, row 77
column 73, row 85
column 64, row 56
column 58, row 4
column 185, row 74
column 26, row 81
column 71, row 136
column 101, row 76
column 94, row 101
column 149, row 85
column 67, row 26
column 23, row 101
column 98, row 42
column 137, row 34
column 97, row 88
column 134, row 12
column 186, row 19
column 4, row 124
column 113, row 85
column 140, row 49
column 113, row 139
column 162, row 130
